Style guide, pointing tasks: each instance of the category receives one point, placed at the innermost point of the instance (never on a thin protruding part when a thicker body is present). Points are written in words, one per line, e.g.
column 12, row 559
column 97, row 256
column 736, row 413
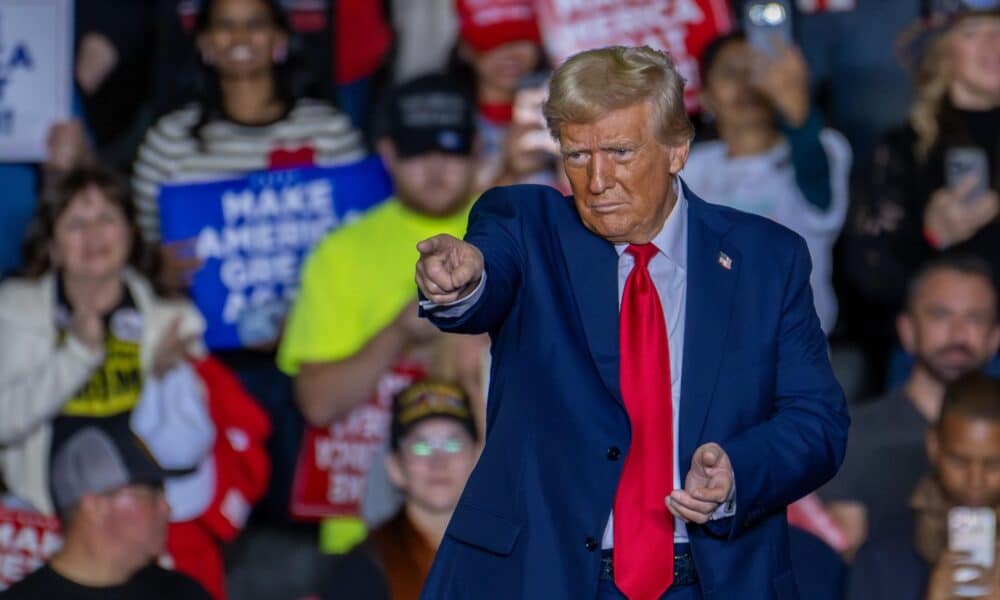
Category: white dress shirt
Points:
column 668, row 269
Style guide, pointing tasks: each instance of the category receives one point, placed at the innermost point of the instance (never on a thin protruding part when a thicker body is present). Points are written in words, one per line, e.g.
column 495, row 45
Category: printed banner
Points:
column 36, row 74
column 27, row 539
column 334, row 461
column 252, row 234
column 681, row 27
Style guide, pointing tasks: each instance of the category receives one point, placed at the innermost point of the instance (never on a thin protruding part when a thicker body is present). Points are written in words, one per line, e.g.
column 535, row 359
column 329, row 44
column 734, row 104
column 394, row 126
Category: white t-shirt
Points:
column 764, row 184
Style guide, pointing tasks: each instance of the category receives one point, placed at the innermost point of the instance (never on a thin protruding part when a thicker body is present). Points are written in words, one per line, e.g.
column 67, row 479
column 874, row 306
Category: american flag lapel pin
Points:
column 725, row 262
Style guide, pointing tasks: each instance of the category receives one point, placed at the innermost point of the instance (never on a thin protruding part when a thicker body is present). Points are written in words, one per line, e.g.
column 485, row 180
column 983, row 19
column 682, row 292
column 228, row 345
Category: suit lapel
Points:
column 593, row 272
column 710, row 296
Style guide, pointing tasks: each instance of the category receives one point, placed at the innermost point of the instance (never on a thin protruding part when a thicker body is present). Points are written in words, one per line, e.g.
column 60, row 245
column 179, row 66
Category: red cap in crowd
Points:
column 486, row 24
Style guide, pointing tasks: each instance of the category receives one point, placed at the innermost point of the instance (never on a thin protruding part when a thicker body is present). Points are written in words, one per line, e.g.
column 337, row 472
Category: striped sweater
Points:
column 313, row 132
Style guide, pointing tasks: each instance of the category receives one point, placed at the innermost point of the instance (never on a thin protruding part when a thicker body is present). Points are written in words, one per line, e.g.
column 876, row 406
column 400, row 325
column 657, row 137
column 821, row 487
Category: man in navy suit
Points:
column 660, row 387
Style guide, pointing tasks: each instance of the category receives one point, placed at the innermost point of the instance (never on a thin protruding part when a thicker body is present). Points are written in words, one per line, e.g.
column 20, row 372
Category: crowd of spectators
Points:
column 175, row 469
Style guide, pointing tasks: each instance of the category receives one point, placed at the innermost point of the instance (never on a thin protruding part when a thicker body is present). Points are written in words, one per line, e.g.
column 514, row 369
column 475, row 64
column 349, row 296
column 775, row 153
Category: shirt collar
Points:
column 672, row 238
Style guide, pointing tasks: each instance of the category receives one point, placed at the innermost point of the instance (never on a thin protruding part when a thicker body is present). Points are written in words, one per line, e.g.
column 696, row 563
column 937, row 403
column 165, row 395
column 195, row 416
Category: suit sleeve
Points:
column 802, row 444
column 494, row 228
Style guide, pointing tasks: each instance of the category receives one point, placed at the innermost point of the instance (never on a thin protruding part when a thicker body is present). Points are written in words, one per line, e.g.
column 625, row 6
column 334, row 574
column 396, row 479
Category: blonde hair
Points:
column 594, row 82
column 932, row 80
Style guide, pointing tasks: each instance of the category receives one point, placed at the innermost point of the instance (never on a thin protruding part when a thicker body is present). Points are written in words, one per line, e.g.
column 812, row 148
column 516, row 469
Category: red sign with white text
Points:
column 680, row 27
column 334, row 461
column 27, row 539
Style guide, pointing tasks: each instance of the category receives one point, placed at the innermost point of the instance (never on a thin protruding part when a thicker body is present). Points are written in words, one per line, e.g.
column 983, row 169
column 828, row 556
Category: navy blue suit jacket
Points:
column 756, row 379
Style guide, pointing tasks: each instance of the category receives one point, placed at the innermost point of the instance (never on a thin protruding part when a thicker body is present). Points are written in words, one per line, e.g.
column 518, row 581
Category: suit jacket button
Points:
column 614, row 453
column 591, row 544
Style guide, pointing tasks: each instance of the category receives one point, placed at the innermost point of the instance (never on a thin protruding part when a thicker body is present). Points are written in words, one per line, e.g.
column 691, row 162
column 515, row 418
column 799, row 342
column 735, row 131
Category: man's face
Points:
column 138, row 518
column 433, row 463
column 951, row 328
column 965, row 453
column 621, row 174
column 435, row 184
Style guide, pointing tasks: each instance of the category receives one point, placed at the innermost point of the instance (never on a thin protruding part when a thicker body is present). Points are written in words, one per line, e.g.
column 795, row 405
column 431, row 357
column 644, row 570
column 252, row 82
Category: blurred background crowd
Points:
column 319, row 450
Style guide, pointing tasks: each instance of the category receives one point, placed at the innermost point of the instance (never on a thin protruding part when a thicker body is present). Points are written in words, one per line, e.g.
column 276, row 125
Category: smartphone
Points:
column 529, row 98
column 962, row 163
column 528, row 101
column 972, row 531
column 767, row 25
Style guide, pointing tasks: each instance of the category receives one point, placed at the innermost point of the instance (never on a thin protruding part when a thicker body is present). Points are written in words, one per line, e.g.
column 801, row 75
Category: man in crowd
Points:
column 950, row 325
column 661, row 388
column 434, row 447
column 355, row 318
column 108, row 490
column 963, row 448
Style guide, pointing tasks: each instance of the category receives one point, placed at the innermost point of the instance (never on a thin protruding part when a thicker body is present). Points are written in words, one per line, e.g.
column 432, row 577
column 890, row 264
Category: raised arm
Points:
column 468, row 286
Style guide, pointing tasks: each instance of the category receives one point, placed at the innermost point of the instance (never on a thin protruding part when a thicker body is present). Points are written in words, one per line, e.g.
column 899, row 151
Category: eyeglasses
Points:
column 425, row 448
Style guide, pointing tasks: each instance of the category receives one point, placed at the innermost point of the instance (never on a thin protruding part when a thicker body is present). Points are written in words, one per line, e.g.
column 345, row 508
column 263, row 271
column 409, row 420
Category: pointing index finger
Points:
column 428, row 246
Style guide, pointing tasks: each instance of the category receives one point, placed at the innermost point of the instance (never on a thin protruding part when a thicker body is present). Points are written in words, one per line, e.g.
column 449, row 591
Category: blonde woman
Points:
column 914, row 214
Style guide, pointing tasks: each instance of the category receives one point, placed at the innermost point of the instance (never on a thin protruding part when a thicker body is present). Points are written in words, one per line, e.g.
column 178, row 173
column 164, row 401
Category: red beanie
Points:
column 486, row 24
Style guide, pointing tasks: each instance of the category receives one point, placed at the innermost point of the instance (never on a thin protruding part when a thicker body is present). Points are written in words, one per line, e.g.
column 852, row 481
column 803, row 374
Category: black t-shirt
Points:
column 886, row 457
column 888, row 566
column 151, row 583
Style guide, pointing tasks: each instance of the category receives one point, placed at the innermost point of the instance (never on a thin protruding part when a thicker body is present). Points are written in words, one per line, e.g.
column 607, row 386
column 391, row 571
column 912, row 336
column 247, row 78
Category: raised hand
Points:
column 952, row 218
column 708, row 484
column 66, row 145
column 172, row 348
column 449, row 268
column 784, row 80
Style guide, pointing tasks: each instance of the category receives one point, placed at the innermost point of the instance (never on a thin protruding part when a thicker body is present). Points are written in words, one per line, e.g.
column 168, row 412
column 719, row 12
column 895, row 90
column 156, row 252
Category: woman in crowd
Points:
column 497, row 48
column 83, row 330
column 908, row 212
column 773, row 156
column 250, row 116
column 911, row 212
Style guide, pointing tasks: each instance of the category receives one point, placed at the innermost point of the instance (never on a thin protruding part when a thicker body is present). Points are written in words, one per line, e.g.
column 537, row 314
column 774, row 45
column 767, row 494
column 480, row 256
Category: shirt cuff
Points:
column 453, row 310
column 727, row 508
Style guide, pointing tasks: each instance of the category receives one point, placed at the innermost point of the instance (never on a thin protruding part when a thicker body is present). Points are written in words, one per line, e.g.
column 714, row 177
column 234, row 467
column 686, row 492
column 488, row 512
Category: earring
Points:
column 280, row 54
column 206, row 58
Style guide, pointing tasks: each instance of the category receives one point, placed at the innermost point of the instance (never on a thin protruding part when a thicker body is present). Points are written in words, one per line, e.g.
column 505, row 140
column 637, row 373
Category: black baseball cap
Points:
column 98, row 459
column 430, row 398
column 432, row 113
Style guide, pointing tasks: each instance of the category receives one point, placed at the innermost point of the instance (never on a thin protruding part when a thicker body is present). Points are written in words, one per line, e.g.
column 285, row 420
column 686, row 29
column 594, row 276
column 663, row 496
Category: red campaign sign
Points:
column 681, row 27
column 810, row 514
column 27, row 539
column 334, row 461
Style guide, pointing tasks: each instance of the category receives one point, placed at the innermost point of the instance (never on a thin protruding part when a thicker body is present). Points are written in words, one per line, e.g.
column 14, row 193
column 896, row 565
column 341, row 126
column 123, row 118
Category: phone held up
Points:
column 972, row 531
column 964, row 163
column 768, row 25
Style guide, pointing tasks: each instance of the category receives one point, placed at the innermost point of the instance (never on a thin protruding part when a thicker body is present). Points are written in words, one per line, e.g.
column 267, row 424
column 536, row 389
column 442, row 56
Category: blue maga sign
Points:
column 36, row 74
column 252, row 234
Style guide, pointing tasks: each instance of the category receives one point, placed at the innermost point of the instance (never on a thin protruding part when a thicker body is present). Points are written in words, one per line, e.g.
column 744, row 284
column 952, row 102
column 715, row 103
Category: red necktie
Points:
column 644, row 528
